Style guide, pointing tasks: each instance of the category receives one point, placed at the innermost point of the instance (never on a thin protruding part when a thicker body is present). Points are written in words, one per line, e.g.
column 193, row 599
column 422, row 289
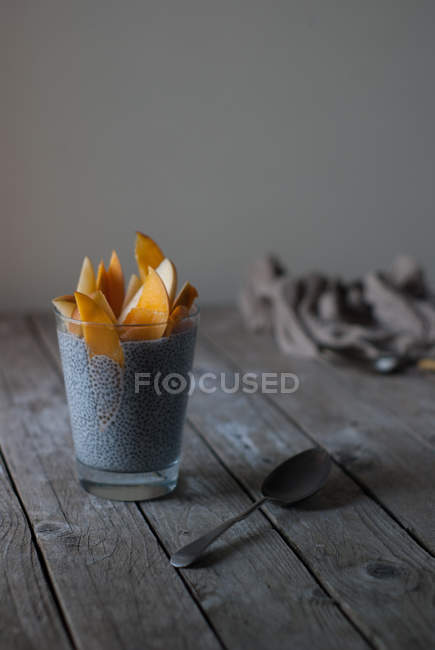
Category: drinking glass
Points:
column 127, row 415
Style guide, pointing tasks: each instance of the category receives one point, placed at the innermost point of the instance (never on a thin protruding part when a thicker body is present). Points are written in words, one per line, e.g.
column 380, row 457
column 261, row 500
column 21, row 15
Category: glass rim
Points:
column 194, row 311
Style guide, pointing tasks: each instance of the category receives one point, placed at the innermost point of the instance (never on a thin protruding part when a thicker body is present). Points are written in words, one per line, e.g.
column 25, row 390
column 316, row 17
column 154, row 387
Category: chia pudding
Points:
column 114, row 427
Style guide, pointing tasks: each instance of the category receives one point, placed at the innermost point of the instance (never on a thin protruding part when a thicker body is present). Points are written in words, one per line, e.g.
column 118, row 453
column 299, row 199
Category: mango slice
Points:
column 147, row 254
column 167, row 271
column 151, row 306
column 176, row 316
column 102, row 339
column 102, row 302
column 75, row 328
column 65, row 304
column 87, row 282
column 129, row 306
column 115, row 284
column 134, row 284
column 150, row 331
column 154, row 295
column 186, row 296
column 68, row 308
column 101, row 282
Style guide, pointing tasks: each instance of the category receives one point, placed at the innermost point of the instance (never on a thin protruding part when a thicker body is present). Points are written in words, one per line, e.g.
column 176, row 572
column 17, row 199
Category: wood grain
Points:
column 380, row 577
column 409, row 397
column 29, row 618
column 254, row 590
column 373, row 446
column 111, row 576
column 21, row 361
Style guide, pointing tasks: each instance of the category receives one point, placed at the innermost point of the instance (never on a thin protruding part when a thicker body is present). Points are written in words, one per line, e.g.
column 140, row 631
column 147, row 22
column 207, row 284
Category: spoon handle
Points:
column 191, row 552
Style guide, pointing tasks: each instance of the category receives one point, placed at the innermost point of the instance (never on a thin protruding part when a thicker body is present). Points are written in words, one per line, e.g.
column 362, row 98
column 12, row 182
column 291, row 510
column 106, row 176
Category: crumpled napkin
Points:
column 384, row 312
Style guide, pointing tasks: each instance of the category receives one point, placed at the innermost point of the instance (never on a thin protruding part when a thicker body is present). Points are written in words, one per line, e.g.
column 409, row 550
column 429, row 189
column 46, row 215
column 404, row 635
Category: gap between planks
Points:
column 38, row 601
column 39, row 554
column 180, row 573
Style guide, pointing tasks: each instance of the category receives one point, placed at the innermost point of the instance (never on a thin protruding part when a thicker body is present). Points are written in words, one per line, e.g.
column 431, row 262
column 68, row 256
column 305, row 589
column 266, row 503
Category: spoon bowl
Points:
column 298, row 477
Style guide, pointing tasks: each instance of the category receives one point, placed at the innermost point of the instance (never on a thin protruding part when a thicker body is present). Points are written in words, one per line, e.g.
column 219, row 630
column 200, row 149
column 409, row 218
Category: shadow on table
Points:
column 338, row 492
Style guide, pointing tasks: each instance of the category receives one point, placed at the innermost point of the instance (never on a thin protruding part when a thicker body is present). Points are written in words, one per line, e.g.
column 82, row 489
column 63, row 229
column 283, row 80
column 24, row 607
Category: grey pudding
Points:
column 119, row 423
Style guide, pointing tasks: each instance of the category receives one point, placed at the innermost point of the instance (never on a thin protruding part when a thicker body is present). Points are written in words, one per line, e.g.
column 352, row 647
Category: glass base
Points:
column 126, row 486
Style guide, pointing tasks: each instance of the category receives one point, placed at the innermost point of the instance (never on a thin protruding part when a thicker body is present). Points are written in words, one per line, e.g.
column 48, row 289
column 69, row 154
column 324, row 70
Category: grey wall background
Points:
column 223, row 129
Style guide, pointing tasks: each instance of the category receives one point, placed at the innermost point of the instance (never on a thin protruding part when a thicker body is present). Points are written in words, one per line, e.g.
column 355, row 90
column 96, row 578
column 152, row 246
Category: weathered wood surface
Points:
column 349, row 568
column 374, row 447
column 377, row 562
column 251, row 581
column 111, row 576
column 409, row 396
column 29, row 618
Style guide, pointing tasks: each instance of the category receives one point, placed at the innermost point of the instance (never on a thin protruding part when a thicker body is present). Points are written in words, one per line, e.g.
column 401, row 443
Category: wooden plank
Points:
column 23, row 381
column 29, row 618
column 342, row 534
column 250, row 579
column 409, row 396
column 44, row 325
column 373, row 446
column 111, row 576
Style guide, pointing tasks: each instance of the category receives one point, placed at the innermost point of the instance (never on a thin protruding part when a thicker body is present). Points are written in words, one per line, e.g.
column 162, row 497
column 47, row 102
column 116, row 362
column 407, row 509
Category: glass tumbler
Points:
column 127, row 403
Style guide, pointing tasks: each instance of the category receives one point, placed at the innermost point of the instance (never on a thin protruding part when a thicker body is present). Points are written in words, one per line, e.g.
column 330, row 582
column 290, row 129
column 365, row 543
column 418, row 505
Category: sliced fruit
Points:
column 65, row 304
column 167, row 271
column 115, row 284
column 130, row 305
column 102, row 302
column 186, row 296
column 102, row 339
column 75, row 328
column 147, row 254
column 149, row 331
column 86, row 283
column 101, row 282
column 151, row 305
column 68, row 308
column 134, row 284
column 154, row 295
column 176, row 316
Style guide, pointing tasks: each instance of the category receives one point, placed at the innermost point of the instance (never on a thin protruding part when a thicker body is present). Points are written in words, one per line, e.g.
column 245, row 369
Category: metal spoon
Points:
column 295, row 479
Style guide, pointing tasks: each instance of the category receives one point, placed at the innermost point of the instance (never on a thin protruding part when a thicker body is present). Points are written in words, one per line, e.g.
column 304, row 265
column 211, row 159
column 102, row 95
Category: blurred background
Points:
column 224, row 130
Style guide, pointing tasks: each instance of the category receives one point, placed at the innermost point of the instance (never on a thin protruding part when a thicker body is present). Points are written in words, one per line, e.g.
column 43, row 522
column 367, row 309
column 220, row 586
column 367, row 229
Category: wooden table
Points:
column 353, row 567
